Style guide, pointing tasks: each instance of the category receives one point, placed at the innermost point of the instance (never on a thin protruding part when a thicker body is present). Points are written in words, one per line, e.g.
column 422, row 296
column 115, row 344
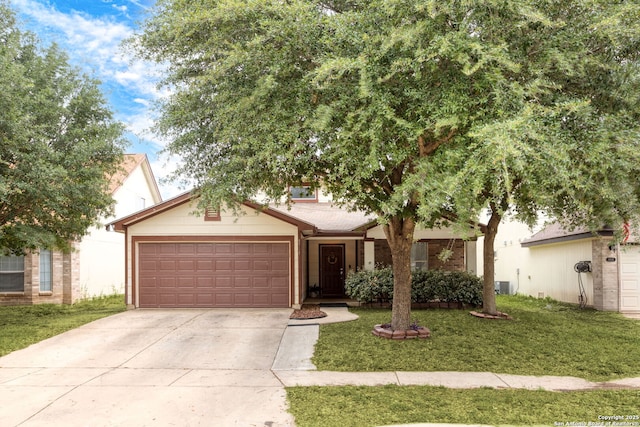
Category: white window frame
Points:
column 11, row 265
column 46, row 271
column 417, row 251
column 303, row 193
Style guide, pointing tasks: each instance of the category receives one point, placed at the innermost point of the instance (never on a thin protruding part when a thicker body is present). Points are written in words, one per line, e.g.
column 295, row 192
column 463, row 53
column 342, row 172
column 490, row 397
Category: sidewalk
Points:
column 293, row 367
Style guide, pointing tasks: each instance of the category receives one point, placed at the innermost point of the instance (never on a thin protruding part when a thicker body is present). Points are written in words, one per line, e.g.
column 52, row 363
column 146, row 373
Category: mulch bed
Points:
column 308, row 311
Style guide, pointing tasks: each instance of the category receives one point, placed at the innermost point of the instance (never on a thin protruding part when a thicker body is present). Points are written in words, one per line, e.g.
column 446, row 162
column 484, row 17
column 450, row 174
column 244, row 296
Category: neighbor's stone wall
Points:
column 65, row 281
column 71, row 278
column 605, row 276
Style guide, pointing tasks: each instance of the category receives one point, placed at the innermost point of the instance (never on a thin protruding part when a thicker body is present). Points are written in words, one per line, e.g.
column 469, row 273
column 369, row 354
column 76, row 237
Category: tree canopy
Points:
column 412, row 110
column 58, row 145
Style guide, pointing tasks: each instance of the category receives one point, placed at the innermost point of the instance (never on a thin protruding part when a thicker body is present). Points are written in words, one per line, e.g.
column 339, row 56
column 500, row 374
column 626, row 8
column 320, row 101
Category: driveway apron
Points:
column 192, row 367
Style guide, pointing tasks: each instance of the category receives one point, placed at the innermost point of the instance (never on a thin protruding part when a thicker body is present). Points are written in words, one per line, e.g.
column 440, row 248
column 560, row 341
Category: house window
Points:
column 419, row 256
column 11, row 273
column 45, row 271
column 303, row 193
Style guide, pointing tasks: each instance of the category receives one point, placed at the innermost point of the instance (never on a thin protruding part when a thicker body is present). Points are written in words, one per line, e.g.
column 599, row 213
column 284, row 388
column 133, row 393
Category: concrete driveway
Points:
column 151, row 367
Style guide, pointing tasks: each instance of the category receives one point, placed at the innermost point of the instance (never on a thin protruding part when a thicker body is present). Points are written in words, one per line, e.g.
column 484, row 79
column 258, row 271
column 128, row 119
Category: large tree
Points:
column 370, row 99
column 570, row 147
column 58, row 145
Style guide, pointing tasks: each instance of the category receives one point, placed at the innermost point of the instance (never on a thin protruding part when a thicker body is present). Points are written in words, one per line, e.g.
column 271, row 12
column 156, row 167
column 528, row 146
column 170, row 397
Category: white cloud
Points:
column 95, row 44
column 122, row 8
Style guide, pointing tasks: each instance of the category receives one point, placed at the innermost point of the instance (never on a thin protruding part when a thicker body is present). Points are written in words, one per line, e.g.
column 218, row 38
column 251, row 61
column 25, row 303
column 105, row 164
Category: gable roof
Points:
column 128, row 165
column 556, row 233
column 121, row 224
column 327, row 217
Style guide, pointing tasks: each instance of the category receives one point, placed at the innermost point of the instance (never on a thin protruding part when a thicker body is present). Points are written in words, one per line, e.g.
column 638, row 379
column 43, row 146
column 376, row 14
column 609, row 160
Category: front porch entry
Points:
column 332, row 271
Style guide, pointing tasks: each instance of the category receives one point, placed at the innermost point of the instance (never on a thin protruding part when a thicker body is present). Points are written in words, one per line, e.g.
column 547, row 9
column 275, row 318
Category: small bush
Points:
column 370, row 285
column 426, row 286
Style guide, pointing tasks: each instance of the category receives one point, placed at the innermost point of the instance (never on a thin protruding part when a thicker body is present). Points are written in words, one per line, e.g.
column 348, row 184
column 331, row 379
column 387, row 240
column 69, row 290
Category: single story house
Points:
column 582, row 267
column 264, row 257
column 92, row 268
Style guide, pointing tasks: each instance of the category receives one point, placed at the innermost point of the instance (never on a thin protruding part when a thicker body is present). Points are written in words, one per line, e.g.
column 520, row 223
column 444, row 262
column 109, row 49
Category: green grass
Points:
column 545, row 338
column 21, row 326
column 376, row 406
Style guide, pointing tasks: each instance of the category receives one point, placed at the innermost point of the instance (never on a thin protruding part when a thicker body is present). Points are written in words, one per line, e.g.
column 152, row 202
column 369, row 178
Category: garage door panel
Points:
column 242, row 248
column 224, row 265
column 242, row 265
column 186, row 266
column 205, row 299
column 223, row 248
column 240, row 282
column 630, row 279
column 166, row 265
column 280, row 266
column 206, row 282
column 205, row 265
column 261, row 282
column 204, row 249
column 261, row 265
column 214, row 274
column 223, row 299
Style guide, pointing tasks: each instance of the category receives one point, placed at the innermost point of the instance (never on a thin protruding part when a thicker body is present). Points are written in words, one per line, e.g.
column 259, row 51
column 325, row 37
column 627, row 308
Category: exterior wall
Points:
column 457, row 262
column 549, row 271
column 605, row 276
column 511, row 259
column 65, row 286
column 437, row 239
column 181, row 221
column 102, row 271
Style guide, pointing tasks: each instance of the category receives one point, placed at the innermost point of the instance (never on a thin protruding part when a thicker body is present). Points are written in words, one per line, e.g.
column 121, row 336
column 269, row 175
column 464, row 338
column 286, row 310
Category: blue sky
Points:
column 91, row 32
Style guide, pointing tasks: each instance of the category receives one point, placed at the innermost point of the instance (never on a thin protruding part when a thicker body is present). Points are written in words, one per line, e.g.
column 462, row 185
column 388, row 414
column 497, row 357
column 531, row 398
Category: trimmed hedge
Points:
column 369, row 286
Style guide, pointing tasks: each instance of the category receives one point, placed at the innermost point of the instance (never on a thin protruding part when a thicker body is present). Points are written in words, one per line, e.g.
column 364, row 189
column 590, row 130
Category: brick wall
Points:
column 65, row 283
column 605, row 276
column 435, row 247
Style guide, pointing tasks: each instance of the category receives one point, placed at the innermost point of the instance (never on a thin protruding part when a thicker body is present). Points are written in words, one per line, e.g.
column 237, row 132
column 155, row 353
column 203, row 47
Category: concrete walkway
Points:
column 293, row 367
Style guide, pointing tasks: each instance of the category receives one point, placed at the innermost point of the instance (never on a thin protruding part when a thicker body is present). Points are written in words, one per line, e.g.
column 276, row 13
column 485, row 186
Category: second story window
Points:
column 303, row 193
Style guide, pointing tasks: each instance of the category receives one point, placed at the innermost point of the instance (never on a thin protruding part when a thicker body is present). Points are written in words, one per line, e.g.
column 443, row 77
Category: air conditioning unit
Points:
column 502, row 288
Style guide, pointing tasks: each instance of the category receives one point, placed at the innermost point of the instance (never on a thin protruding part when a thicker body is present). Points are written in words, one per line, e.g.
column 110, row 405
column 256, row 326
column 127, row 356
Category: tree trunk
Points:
column 489, row 292
column 399, row 232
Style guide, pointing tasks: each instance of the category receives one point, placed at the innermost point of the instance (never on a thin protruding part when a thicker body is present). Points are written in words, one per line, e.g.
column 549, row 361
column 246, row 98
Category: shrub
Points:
column 370, row 285
column 426, row 286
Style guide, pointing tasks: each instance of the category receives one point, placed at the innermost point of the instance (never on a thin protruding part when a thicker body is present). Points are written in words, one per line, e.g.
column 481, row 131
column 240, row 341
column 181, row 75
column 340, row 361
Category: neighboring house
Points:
column 553, row 263
column 265, row 257
column 94, row 268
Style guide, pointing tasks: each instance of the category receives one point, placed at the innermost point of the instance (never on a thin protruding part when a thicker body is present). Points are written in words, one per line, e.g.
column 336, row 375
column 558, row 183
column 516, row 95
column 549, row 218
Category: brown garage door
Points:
column 217, row 274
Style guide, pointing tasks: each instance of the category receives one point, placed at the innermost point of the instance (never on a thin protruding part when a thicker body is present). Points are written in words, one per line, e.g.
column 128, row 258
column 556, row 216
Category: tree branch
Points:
column 428, row 148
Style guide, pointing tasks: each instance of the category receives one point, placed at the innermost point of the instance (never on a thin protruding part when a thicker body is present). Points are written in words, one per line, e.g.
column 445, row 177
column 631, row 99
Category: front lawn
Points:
column 376, row 406
column 21, row 326
column 546, row 338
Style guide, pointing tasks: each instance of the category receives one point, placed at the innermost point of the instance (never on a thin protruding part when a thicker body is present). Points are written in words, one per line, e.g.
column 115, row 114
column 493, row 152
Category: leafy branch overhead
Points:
column 58, row 145
column 407, row 109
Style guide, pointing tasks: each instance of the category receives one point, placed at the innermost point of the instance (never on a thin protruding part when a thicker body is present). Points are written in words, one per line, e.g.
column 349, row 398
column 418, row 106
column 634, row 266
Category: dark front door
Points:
column 332, row 270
